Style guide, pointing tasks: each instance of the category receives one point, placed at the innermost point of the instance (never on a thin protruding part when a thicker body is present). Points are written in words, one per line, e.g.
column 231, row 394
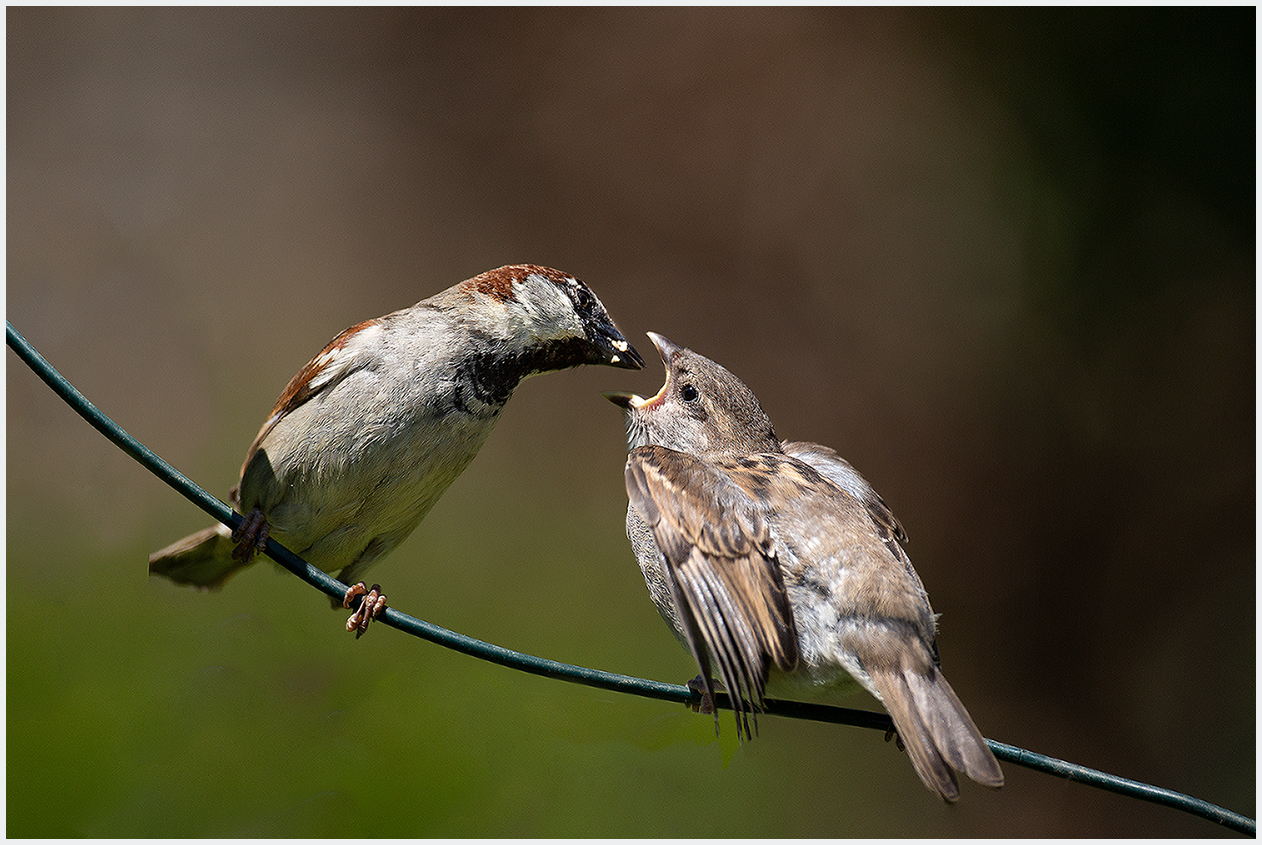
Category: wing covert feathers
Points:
column 720, row 560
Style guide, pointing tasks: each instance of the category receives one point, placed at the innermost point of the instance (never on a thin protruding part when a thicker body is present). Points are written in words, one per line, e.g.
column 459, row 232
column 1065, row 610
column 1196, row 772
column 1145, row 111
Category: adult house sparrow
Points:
column 367, row 436
column 777, row 562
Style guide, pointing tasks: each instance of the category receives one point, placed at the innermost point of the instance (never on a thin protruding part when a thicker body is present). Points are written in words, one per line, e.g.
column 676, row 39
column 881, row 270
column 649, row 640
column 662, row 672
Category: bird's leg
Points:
column 706, row 705
column 370, row 607
column 250, row 536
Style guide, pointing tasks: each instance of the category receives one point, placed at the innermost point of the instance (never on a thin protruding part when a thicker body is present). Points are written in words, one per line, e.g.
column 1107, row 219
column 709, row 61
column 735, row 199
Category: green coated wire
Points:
column 580, row 674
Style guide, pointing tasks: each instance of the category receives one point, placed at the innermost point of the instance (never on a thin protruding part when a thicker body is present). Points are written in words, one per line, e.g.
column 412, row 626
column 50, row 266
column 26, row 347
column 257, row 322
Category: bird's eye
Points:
column 688, row 393
column 582, row 299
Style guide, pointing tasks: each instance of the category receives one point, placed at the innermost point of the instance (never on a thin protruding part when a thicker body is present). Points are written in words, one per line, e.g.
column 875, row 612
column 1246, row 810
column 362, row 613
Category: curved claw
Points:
column 706, row 705
column 892, row 733
column 371, row 606
column 251, row 535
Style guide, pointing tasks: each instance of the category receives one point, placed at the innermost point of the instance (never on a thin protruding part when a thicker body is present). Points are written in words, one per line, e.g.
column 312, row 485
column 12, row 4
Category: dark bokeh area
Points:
column 1001, row 260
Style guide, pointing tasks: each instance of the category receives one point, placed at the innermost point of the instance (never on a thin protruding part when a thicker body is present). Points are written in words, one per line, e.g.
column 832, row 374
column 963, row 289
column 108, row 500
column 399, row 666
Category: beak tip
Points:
column 665, row 347
column 622, row 400
column 620, row 353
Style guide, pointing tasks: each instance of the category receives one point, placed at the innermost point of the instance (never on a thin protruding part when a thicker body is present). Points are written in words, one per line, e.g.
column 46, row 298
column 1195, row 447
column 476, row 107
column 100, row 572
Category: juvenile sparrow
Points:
column 367, row 436
column 779, row 564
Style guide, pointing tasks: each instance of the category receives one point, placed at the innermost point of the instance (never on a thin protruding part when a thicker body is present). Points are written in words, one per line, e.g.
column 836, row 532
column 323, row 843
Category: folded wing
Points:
column 721, row 563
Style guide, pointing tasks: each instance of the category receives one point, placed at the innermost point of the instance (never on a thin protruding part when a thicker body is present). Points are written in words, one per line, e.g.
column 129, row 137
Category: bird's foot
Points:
column 370, row 607
column 250, row 536
column 706, row 704
column 892, row 733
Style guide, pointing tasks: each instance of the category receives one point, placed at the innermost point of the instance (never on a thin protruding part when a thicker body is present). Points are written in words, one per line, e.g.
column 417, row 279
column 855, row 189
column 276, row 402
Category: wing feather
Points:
column 336, row 361
column 720, row 559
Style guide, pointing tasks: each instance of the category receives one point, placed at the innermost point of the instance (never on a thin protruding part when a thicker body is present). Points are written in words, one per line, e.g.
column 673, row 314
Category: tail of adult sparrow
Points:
column 936, row 730
column 203, row 559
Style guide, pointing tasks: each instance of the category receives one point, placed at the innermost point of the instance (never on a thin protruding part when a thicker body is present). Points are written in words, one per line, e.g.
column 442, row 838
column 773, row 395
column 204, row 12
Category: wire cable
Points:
column 581, row 674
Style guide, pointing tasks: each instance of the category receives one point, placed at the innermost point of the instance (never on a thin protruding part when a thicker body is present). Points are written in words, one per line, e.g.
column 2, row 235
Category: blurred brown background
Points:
column 1002, row 260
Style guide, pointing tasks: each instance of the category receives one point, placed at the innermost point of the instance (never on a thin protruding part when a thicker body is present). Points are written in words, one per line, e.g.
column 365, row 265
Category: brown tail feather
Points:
column 936, row 730
column 203, row 559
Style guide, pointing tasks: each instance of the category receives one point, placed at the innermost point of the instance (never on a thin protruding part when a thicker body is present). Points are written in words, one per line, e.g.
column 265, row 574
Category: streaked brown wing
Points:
column 720, row 560
column 335, row 362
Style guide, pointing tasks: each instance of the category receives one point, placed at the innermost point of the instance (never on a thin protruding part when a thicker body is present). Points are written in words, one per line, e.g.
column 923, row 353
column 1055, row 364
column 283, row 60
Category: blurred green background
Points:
column 1001, row 260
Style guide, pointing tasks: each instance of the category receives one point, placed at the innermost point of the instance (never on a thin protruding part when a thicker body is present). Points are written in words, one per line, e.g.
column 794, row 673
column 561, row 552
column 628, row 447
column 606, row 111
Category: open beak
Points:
column 665, row 348
column 635, row 402
column 625, row 401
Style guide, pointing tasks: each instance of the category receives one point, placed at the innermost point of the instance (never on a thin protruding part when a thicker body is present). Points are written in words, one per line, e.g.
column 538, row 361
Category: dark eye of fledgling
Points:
column 688, row 393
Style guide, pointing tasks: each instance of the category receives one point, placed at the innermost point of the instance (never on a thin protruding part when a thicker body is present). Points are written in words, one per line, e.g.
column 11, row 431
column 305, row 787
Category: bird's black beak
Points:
column 614, row 348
